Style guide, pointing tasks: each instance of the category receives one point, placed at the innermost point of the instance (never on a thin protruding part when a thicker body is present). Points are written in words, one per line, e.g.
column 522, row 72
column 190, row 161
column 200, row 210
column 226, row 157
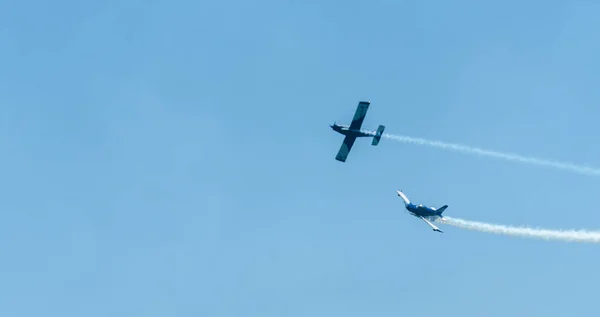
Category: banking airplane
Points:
column 353, row 131
column 428, row 214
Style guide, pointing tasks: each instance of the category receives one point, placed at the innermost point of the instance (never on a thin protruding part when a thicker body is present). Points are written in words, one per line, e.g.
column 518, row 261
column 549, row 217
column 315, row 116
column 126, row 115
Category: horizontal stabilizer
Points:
column 378, row 134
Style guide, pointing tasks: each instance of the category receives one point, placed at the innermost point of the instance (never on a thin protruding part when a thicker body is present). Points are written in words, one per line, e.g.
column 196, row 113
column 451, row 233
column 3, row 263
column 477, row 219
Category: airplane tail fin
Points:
column 403, row 196
column 440, row 210
column 378, row 134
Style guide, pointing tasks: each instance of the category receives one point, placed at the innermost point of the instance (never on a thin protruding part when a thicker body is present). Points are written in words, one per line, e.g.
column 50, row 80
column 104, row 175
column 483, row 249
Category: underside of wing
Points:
column 344, row 150
column 359, row 115
column 431, row 224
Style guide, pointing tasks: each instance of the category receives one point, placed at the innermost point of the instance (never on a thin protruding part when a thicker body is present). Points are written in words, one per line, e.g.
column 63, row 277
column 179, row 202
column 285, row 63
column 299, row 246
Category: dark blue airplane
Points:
column 353, row 131
column 428, row 214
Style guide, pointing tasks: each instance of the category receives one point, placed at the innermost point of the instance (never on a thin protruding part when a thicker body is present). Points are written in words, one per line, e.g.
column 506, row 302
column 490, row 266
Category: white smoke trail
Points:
column 564, row 235
column 499, row 155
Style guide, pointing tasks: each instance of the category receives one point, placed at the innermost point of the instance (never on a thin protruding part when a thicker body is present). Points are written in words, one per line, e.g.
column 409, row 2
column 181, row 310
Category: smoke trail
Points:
column 499, row 155
column 564, row 235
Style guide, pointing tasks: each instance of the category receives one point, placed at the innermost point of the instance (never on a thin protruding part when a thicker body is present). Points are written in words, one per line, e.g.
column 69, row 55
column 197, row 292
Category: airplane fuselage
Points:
column 421, row 210
column 345, row 130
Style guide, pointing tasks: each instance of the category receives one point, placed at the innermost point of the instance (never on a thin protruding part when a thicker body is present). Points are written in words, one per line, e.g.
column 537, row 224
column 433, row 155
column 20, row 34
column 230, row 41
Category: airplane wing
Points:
column 403, row 196
column 431, row 224
column 344, row 150
column 359, row 115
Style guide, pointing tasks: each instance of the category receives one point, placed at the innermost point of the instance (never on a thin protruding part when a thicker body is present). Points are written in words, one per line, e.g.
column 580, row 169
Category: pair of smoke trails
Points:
column 564, row 235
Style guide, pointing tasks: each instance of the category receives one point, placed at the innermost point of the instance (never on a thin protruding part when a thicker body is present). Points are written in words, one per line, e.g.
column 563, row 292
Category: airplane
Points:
column 428, row 214
column 353, row 131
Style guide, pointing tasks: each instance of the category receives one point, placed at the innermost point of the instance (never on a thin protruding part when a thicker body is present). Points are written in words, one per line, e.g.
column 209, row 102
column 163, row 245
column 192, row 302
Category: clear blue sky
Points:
column 173, row 158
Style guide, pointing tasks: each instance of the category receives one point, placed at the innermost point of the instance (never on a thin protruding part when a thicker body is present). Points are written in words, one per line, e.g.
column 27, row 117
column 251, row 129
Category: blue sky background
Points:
column 174, row 157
